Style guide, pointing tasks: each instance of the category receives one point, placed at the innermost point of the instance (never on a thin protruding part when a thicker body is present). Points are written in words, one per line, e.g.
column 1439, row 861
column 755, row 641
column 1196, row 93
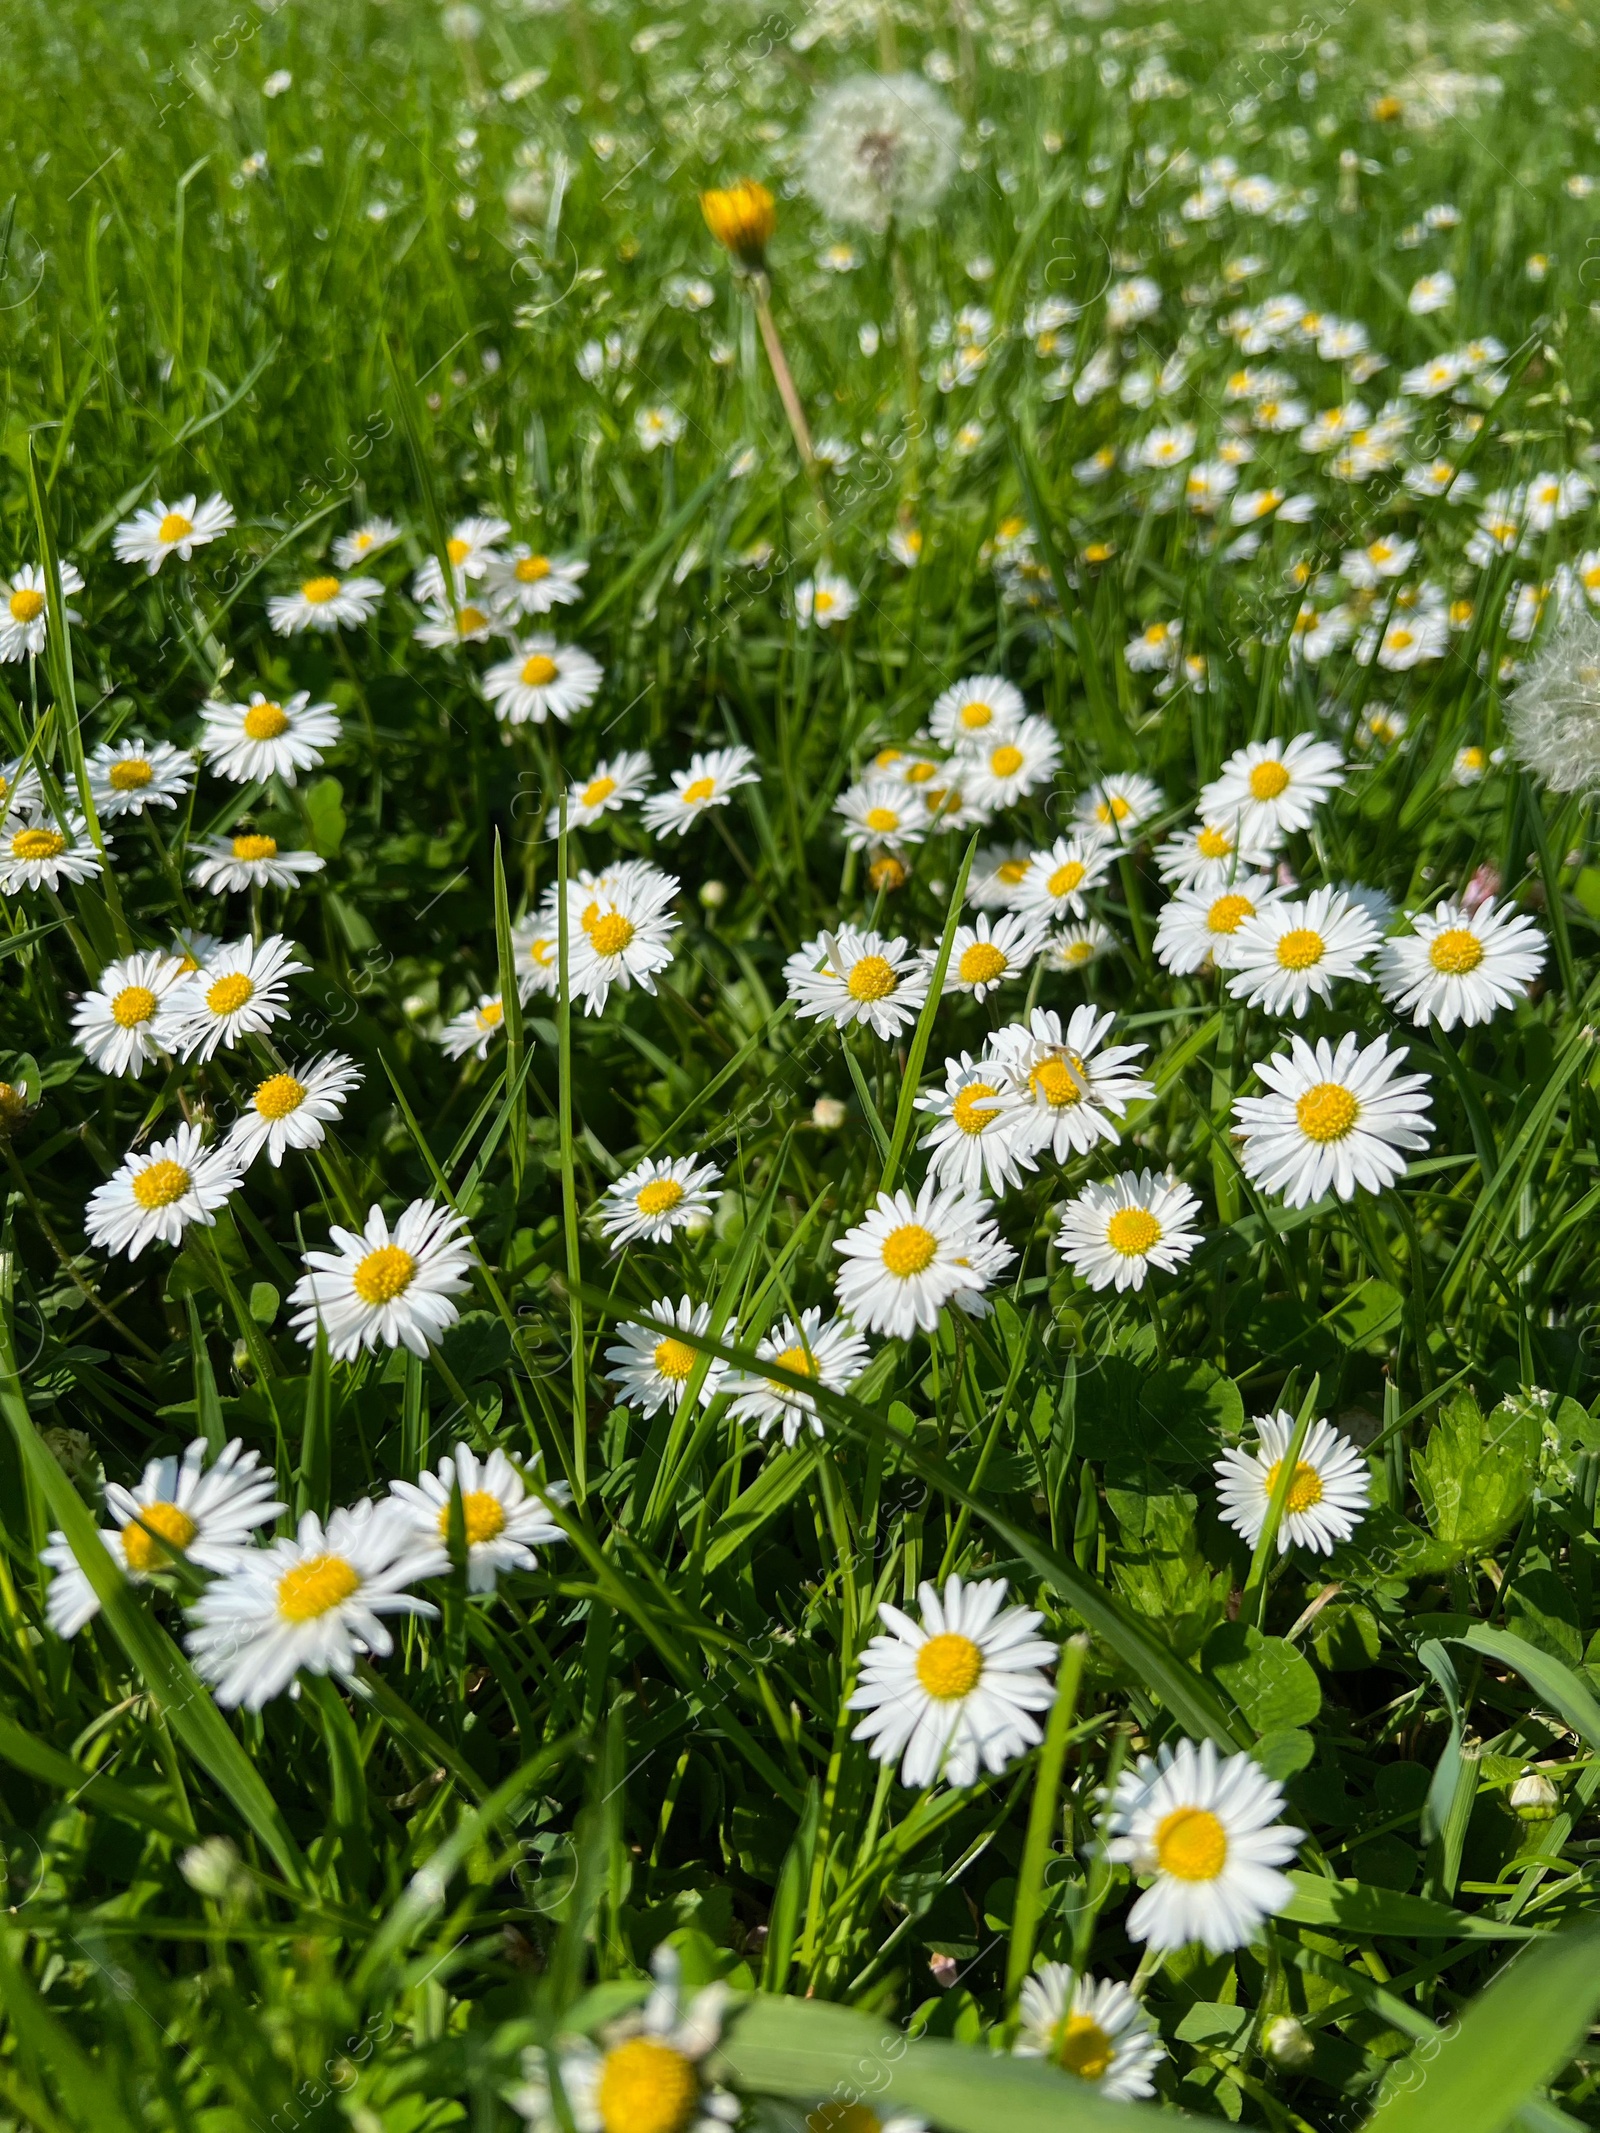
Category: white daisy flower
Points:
column 156, row 1193
column 1461, row 966
column 999, row 773
column 542, row 680
column 41, row 853
column 248, row 861
column 609, row 787
column 986, row 955
column 1058, row 881
column 654, row 1366
column 1074, row 948
column 526, row 583
column 1328, row 1493
column 1061, row 1091
column 1201, row 926
column 712, row 778
column 126, row 777
column 1208, row 856
column 834, row 1354
column 25, row 609
column 253, row 742
column 473, row 550
column 209, row 1513
column 1333, row 1121
column 655, row 427
column 160, row 530
column 325, row 603
column 1117, row 806
column 995, row 883
column 956, row 1690
column 466, row 623
column 475, row 1028
column 972, row 1143
column 1114, row 1234
column 983, row 709
column 1206, row 1828
column 368, row 539
column 381, row 1285
column 115, row 1026
column 1285, row 953
column 240, row 991
column 20, row 791
column 824, row 600
column 622, row 933
column 850, row 976
column 645, row 2074
column 1090, row 2027
column 881, row 811
column 503, row 1522
column 908, row 1258
column 292, row 1110
column 1270, row 788
column 1470, row 765
column 656, row 1197
column 314, row 1604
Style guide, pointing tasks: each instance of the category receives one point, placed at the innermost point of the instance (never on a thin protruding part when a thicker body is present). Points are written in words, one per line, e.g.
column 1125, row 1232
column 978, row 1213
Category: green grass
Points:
column 371, row 292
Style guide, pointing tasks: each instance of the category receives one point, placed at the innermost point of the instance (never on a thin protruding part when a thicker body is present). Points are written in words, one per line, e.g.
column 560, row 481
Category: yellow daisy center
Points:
column 539, row 671
column 659, row 1197
column 1228, row 913
column 1112, row 809
column 1057, row 1080
column 315, row 1587
column 882, row 820
column 131, row 774
column 646, row 2086
column 1300, row 948
column 975, row 715
column 1455, row 951
column 909, row 1249
column 531, row 568
column 174, row 527
column 1213, row 844
column 279, row 1095
column 1191, row 1844
column 1066, row 877
column 159, row 1184
column 920, row 773
column 482, row 1515
column 797, row 1360
column 1268, row 780
column 1305, row 1490
column 970, row 1111
column 823, row 603
column 38, row 844
column 1006, row 761
column 458, row 551
column 470, row 619
column 596, row 791
column 1132, row 1231
column 1011, row 871
column 133, row 1005
column 1083, row 2048
column 141, row 1550
column 949, row 1666
column 255, row 847
column 26, row 604
column 317, row 592
column 700, row 790
column 264, row 721
column 384, row 1274
column 610, row 933
column 870, row 979
column 674, row 1359
column 1326, row 1112
column 982, row 963
column 490, row 1015
column 230, row 993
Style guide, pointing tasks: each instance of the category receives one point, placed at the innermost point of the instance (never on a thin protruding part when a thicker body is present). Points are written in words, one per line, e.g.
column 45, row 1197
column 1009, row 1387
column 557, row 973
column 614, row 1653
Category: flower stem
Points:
column 783, row 377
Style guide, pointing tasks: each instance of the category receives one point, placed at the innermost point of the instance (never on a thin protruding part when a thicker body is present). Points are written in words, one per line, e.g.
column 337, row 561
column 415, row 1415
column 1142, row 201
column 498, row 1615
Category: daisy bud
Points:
column 713, row 894
column 742, row 219
column 1534, row 1798
column 213, row 1868
column 1289, row 2044
column 827, row 1114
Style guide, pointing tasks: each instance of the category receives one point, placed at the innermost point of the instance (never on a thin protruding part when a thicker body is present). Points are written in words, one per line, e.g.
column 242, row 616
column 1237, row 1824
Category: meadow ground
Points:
column 799, row 1067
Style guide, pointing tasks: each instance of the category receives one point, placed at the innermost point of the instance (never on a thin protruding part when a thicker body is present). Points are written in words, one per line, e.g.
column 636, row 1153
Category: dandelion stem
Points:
column 783, row 378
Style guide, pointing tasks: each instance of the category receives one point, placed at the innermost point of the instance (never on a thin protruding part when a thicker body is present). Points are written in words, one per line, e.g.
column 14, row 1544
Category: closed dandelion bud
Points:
column 1554, row 711
column 742, row 219
column 1534, row 1798
column 1289, row 2043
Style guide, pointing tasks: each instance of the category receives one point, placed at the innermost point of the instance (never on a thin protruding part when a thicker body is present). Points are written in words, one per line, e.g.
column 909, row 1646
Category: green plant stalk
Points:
column 579, row 1469
column 911, row 1081
column 1256, row 1584
column 1042, row 1816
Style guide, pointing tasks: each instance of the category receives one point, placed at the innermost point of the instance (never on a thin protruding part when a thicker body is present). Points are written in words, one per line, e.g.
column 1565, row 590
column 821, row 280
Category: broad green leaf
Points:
column 1474, row 1476
column 1555, row 1685
column 1354, row 1907
column 1274, row 1685
column 1512, row 2039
